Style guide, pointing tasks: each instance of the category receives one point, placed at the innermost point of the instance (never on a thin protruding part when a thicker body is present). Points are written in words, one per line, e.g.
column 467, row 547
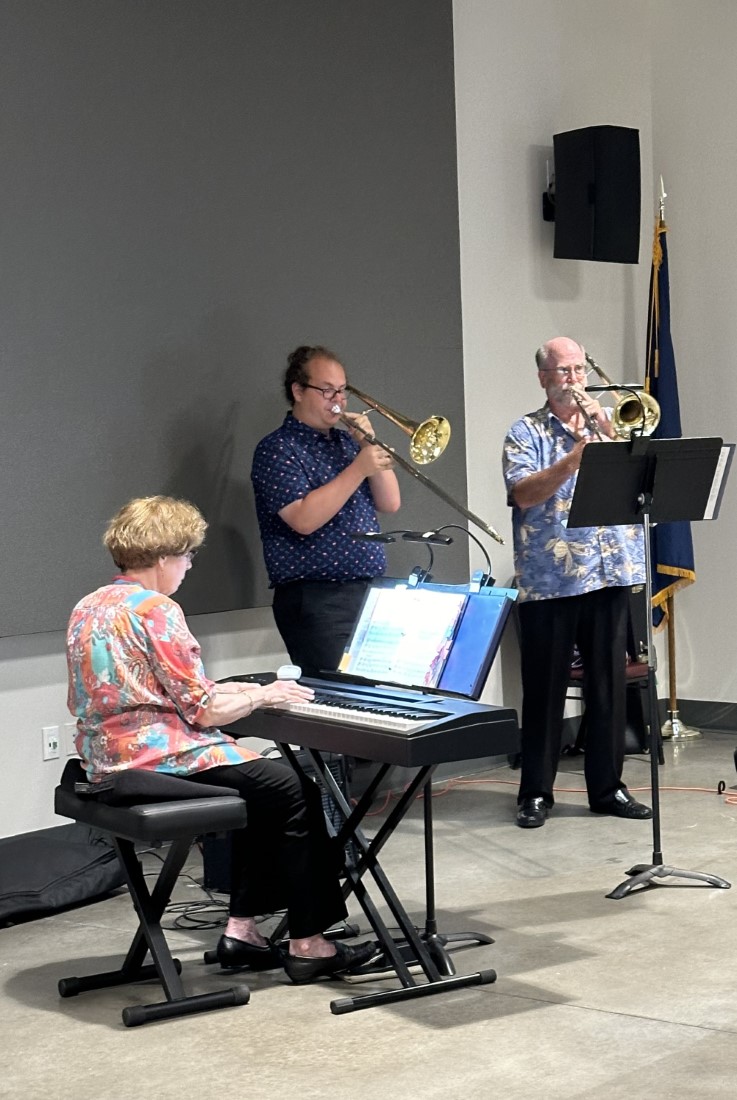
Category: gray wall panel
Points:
column 189, row 191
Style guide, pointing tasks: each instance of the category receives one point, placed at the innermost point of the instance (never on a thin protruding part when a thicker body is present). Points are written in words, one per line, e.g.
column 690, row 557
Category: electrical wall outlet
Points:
column 70, row 732
column 50, row 742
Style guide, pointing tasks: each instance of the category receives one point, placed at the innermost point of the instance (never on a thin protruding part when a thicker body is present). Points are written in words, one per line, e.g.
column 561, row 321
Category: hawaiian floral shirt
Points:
column 551, row 561
column 137, row 686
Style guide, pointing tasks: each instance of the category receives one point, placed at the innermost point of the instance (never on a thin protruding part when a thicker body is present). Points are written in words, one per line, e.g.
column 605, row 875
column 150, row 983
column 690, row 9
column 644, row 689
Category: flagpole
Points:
column 672, row 547
column 674, row 729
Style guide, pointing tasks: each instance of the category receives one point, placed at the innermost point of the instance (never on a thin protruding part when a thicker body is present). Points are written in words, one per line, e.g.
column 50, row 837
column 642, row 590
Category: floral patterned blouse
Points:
column 550, row 559
column 137, row 686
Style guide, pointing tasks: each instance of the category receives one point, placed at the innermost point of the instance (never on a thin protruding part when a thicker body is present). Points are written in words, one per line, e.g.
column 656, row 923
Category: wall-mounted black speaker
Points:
column 597, row 194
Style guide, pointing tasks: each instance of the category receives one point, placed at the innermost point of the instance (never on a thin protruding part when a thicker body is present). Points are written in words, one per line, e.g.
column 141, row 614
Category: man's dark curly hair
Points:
column 297, row 362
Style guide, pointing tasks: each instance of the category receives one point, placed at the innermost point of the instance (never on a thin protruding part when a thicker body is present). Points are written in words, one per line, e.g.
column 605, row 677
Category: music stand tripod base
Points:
column 644, row 874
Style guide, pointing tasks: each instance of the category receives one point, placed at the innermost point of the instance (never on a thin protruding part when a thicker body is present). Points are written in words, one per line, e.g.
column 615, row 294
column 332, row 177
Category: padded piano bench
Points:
column 150, row 807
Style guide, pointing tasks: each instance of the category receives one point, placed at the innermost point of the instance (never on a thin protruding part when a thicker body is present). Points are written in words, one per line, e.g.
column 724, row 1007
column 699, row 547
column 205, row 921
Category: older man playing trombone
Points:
column 314, row 485
column 574, row 590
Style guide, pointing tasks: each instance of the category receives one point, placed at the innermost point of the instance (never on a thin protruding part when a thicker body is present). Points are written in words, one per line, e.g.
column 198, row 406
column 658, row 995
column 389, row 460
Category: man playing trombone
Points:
column 314, row 485
column 573, row 590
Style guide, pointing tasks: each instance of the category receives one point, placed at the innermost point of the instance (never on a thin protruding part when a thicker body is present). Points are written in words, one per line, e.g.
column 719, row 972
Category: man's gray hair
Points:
column 541, row 357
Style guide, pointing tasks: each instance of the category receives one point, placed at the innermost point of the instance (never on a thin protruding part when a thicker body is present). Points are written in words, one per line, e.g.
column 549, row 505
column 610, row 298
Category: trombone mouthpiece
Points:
column 336, row 409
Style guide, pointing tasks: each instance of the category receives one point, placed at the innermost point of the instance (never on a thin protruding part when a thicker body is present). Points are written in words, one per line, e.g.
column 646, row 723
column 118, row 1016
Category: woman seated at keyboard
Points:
column 142, row 700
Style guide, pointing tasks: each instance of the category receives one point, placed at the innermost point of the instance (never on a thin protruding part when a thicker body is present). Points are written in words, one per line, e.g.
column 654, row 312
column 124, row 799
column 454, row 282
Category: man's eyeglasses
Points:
column 328, row 392
column 579, row 369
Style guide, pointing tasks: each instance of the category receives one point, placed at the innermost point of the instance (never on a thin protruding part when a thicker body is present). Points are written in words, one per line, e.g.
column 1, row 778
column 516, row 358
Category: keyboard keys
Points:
column 343, row 709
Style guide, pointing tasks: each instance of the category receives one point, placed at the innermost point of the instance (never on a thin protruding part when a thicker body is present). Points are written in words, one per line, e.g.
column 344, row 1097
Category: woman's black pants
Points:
column 284, row 857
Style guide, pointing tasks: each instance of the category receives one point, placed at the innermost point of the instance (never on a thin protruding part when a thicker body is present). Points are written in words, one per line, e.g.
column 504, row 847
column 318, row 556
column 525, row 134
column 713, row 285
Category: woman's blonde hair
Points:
column 153, row 527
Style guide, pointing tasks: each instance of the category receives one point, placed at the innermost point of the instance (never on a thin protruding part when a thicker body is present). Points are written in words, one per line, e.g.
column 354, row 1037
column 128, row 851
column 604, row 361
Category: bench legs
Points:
column 149, row 939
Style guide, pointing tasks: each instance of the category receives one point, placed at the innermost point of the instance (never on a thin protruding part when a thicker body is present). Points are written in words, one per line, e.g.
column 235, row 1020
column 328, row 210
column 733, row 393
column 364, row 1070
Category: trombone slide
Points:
column 470, row 516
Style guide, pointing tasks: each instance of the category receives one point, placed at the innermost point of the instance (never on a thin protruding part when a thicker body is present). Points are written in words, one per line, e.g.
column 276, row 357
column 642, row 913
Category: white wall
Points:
column 525, row 71
column 695, row 150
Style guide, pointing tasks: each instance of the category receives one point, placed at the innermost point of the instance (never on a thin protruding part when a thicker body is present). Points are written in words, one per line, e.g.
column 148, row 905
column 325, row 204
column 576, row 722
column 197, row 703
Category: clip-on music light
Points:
column 479, row 578
column 418, row 575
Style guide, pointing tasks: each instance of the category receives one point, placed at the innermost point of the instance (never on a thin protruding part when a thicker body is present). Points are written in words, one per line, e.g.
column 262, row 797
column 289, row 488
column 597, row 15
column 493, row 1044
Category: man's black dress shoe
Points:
column 232, row 953
column 622, row 804
column 302, row 969
column 531, row 813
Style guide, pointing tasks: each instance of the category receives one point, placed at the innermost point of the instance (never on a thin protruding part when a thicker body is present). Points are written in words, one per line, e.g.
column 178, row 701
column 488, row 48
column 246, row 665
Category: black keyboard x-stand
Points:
column 415, row 947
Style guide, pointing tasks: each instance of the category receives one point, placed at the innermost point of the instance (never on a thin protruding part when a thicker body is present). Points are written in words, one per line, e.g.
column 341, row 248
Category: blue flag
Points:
column 671, row 545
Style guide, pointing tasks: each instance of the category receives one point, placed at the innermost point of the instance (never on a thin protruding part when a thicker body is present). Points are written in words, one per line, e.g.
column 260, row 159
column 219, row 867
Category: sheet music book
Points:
column 439, row 637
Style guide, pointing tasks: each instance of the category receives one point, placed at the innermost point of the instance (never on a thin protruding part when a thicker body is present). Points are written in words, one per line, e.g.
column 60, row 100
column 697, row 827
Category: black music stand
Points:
column 647, row 481
column 436, row 941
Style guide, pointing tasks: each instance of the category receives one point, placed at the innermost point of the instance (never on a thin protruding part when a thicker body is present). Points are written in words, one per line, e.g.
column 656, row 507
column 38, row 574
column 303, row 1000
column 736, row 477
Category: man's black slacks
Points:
column 316, row 619
column 597, row 623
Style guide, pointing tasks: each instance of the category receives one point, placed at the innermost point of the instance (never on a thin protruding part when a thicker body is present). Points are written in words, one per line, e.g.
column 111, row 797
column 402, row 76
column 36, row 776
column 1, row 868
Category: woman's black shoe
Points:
column 302, row 969
column 232, row 953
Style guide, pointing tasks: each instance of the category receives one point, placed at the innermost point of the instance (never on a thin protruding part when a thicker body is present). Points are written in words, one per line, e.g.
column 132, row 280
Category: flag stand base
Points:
column 676, row 730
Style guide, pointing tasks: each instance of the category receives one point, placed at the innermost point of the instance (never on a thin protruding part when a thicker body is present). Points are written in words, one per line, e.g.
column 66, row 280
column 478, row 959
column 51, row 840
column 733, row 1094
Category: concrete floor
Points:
column 594, row 997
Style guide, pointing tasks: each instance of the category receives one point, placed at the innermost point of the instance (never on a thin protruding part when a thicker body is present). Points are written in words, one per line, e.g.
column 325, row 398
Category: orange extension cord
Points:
column 729, row 799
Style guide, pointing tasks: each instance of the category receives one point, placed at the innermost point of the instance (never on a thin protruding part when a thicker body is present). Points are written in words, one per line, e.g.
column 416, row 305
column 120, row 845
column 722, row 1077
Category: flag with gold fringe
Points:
column 671, row 544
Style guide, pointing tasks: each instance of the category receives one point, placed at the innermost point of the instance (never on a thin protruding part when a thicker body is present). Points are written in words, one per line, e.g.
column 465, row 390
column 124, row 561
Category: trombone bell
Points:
column 635, row 414
column 428, row 438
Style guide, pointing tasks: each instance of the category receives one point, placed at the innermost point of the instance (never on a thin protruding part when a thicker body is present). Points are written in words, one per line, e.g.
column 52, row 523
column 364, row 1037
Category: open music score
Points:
column 432, row 637
column 404, row 635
